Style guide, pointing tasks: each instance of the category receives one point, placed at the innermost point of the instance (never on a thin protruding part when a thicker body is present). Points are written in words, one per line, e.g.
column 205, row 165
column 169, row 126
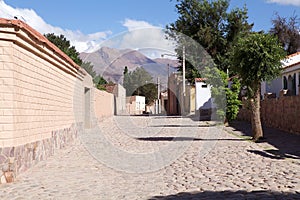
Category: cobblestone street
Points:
column 161, row 158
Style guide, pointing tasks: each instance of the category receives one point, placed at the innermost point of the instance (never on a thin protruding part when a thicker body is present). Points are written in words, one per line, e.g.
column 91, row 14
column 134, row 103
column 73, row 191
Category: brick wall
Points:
column 103, row 104
column 37, row 94
column 41, row 99
column 282, row 113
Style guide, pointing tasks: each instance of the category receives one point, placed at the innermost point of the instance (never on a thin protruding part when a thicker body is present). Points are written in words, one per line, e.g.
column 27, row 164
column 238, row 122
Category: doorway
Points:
column 87, row 108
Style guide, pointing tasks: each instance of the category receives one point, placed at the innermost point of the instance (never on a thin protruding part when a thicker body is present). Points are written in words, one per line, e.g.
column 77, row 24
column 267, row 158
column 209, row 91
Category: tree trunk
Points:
column 255, row 116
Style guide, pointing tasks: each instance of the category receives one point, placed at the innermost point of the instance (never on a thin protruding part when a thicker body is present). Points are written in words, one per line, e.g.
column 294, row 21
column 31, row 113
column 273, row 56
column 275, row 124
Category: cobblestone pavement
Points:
column 160, row 158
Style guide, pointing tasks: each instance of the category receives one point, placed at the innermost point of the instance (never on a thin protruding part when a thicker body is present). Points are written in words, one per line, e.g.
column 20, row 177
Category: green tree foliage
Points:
column 232, row 98
column 226, row 98
column 63, row 44
column 217, row 29
column 89, row 68
column 139, row 82
column 149, row 90
column 288, row 32
column 98, row 80
column 211, row 25
column 257, row 58
column 125, row 70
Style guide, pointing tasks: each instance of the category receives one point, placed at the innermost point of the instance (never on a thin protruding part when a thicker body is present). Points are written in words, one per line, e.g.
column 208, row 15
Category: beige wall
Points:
column 39, row 91
column 45, row 99
column 120, row 100
column 103, row 104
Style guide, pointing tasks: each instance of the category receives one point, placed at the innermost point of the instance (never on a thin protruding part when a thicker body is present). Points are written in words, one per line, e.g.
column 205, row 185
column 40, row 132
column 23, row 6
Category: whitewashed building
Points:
column 135, row 105
column 288, row 80
column 204, row 102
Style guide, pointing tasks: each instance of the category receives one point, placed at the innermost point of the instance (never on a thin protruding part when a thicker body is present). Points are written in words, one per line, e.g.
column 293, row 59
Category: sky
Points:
column 135, row 24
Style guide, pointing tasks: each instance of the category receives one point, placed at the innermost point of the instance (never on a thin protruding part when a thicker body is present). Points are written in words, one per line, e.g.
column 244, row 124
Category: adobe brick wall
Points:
column 282, row 113
column 41, row 100
column 103, row 104
column 37, row 94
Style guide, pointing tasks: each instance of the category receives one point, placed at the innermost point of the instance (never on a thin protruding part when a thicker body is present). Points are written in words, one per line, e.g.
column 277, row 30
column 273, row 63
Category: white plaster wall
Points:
column 203, row 95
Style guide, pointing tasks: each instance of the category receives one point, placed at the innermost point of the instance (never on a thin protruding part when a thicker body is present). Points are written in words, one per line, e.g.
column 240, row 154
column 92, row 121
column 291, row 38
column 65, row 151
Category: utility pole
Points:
column 183, row 70
column 158, row 93
column 183, row 81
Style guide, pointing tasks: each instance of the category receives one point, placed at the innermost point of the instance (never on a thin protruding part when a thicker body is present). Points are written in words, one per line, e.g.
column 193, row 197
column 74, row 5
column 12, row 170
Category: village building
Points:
column 289, row 79
column 135, row 105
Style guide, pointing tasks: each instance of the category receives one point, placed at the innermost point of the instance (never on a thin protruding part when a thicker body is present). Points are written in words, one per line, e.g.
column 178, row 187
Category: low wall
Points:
column 103, row 104
column 282, row 113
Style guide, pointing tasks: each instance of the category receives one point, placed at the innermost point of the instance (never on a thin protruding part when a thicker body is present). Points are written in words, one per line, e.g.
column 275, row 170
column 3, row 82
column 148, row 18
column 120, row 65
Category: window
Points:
column 285, row 83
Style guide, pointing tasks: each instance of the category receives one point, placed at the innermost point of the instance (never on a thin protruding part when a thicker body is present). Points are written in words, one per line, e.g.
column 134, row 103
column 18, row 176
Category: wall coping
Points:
column 35, row 37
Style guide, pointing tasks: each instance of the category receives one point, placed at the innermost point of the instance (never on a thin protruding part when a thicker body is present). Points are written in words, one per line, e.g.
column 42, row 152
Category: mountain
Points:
column 110, row 63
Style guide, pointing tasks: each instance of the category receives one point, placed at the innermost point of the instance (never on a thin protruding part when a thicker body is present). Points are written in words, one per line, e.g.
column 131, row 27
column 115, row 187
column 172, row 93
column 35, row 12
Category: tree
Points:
column 64, row 45
column 139, row 82
column 217, row 30
column 98, row 80
column 149, row 90
column 257, row 58
column 232, row 97
column 211, row 25
column 288, row 32
column 125, row 70
column 89, row 68
column 227, row 109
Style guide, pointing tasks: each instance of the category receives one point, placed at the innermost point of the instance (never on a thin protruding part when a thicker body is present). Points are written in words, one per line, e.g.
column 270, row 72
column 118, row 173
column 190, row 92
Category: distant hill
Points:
column 110, row 63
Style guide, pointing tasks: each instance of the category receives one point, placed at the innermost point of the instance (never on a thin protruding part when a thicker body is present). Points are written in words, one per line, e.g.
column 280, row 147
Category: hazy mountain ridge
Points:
column 110, row 63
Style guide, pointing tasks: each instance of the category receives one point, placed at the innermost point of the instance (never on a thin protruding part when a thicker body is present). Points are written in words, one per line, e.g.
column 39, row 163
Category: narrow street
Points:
column 159, row 158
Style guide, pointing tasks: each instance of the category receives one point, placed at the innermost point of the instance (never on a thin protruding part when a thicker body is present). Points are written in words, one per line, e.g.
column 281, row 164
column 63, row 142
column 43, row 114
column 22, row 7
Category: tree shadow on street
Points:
column 273, row 154
column 157, row 139
column 182, row 125
column 286, row 145
column 260, row 194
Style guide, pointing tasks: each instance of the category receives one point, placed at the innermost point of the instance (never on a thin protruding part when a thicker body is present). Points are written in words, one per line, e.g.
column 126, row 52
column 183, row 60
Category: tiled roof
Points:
column 291, row 60
column 35, row 34
column 200, row 79
column 294, row 54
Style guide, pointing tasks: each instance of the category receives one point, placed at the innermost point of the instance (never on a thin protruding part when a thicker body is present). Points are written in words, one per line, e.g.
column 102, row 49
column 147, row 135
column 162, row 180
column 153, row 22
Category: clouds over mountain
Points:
column 81, row 41
column 140, row 35
column 285, row 2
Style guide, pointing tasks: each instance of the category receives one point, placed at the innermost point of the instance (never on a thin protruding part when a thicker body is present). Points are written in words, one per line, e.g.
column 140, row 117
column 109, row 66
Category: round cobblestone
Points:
column 229, row 170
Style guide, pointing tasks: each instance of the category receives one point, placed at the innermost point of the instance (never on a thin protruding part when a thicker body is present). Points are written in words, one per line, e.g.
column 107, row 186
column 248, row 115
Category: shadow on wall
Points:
column 259, row 194
column 207, row 111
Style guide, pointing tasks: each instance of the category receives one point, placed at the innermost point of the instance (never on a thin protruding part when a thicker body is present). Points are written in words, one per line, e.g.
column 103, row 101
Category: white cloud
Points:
column 143, row 36
column 131, row 24
column 82, row 42
column 285, row 2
